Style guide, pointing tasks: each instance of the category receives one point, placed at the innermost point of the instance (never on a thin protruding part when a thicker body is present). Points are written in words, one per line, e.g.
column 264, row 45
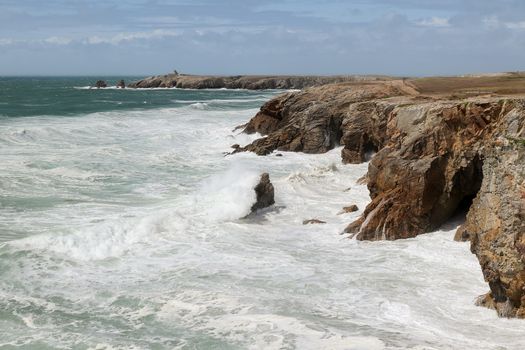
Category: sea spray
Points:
column 229, row 195
column 120, row 231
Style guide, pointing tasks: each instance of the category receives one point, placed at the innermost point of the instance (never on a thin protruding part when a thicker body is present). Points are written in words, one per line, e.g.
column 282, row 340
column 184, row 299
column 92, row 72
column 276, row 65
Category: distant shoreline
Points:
column 250, row 82
column 505, row 83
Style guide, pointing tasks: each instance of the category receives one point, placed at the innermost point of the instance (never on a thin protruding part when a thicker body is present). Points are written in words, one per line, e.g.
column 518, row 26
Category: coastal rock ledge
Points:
column 432, row 156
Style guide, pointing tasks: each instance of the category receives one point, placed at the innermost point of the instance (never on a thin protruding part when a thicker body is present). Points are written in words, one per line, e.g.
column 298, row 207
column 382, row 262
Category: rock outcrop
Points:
column 349, row 209
column 101, row 84
column 121, row 84
column 264, row 192
column 252, row 82
column 435, row 156
column 318, row 119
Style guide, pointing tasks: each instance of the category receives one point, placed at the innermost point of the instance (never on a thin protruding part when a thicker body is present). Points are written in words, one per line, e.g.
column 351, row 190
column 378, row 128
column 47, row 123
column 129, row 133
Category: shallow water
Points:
column 120, row 229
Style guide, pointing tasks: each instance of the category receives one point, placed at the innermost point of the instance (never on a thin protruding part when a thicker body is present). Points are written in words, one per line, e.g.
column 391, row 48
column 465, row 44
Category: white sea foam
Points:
column 199, row 105
column 131, row 237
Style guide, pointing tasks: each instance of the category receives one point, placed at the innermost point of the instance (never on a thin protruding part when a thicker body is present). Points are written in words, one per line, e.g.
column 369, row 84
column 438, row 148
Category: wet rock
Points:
column 264, row 192
column 363, row 180
column 313, row 221
column 350, row 209
column 101, row 84
column 462, row 234
column 121, row 84
column 486, row 300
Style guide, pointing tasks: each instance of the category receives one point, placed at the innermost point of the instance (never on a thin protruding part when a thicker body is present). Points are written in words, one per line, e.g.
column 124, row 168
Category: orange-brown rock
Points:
column 349, row 209
column 318, row 119
column 434, row 156
column 496, row 220
column 462, row 234
column 429, row 168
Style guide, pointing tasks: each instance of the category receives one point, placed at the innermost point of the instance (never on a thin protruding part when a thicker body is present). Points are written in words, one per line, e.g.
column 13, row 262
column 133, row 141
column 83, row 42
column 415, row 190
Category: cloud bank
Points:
column 403, row 37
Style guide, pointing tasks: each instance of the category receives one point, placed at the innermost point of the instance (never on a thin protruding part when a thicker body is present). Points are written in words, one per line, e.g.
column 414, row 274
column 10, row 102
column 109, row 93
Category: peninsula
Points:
column 251, row 82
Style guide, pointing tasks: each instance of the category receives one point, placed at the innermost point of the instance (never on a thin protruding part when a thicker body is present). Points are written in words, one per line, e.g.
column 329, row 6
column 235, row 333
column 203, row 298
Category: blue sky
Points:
column 398, row 37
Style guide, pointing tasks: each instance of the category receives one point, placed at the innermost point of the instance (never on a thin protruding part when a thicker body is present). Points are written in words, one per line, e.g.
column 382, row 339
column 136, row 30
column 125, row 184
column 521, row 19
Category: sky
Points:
column 143, row 37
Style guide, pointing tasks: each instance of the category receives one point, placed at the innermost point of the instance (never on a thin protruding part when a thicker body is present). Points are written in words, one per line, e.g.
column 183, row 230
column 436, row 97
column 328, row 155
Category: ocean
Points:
column 122, row 226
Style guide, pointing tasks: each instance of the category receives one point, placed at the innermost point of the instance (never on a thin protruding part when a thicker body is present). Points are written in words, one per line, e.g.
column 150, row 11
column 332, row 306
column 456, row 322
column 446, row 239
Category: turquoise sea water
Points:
column 120, row 229
column 37, row 96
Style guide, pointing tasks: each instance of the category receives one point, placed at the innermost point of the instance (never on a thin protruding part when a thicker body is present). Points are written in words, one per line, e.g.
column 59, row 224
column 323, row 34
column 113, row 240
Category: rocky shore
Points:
column 437, row 148
column 251, row 82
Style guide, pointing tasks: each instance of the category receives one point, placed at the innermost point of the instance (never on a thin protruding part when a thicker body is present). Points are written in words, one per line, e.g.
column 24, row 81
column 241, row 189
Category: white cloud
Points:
column 125, row 37
column 494, row 22
column 491, row 22
column 6, row 41
column 55, row 40
column 515, row 25
column 439, row 22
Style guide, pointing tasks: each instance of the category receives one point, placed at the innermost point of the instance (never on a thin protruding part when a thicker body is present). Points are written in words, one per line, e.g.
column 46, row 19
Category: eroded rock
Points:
column 430, row 166
column 349, row 209
column 433, row 157
column 265, row 193
column 318, row 119
column 496, row 222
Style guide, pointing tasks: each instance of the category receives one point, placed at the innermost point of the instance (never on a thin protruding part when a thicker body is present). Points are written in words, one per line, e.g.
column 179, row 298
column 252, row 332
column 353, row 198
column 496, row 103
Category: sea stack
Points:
column 264, row 192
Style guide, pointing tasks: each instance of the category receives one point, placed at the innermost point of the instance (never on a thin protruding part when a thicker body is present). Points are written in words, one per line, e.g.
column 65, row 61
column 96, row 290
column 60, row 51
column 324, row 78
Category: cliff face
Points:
column 430, row 167
column 435, row 156
column 251, row 82
column 496, row 221
column 318, row 119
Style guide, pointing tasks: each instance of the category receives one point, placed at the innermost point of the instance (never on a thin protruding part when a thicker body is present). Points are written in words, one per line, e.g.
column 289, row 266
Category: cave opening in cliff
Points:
column 335, row 132
column 369, row 148
column 466, row 185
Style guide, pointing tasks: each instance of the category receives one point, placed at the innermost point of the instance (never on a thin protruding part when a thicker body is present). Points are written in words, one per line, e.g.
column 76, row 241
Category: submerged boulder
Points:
column 313, row 221
column 265, row 193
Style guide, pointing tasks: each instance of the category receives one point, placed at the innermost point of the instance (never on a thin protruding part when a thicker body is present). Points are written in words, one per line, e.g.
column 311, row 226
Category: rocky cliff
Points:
column 433, row 156
column 252, row 82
